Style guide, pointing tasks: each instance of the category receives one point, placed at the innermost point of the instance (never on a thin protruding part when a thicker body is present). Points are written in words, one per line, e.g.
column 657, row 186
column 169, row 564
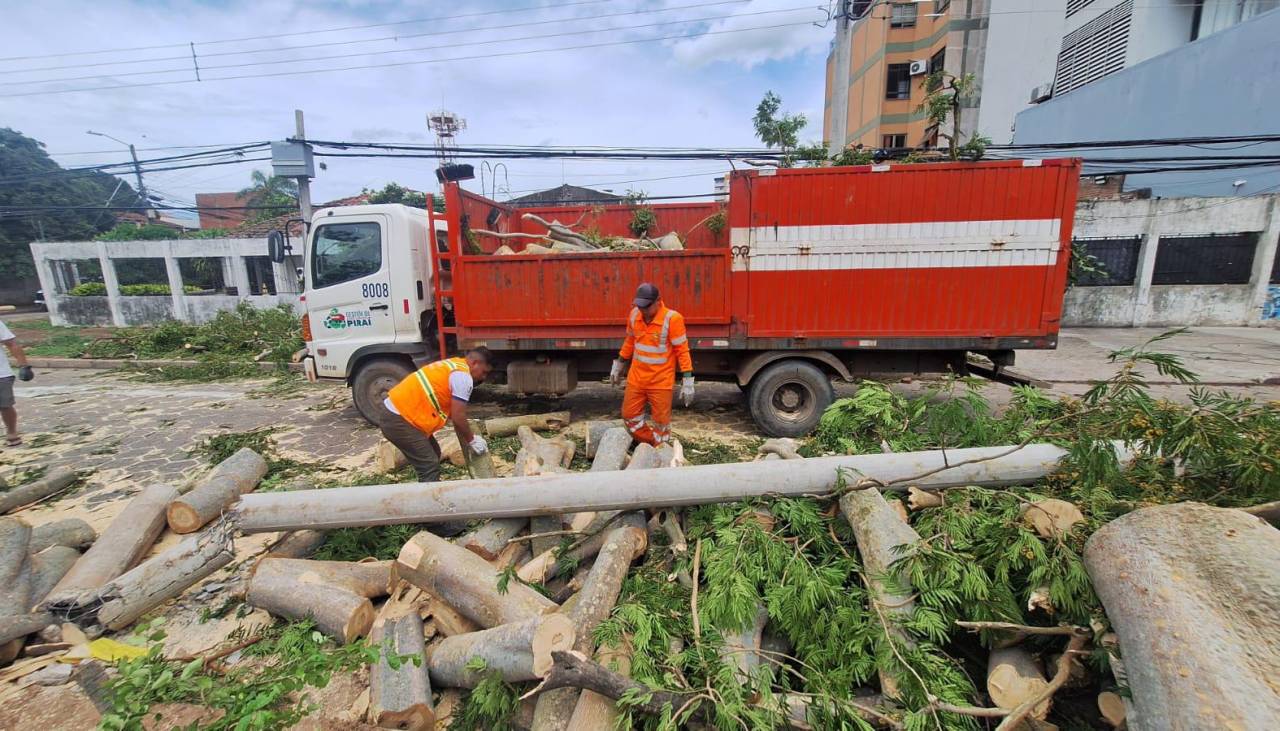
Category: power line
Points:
column 505, row 11
column 507, row 54
column 284, row 49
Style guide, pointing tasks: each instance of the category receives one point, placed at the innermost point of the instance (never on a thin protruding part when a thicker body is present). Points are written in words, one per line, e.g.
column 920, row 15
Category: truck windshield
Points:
column 345, row 251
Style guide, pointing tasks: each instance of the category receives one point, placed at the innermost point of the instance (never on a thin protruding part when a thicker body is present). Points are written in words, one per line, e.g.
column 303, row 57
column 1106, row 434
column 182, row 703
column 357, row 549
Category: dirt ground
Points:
column 127, row 434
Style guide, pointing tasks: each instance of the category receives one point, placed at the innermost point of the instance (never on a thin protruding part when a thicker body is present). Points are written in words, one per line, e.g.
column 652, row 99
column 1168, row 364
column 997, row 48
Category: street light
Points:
column 137, row 169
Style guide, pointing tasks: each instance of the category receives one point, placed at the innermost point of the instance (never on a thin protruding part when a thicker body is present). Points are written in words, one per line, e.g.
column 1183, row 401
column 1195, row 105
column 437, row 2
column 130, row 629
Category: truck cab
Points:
column 368, row 305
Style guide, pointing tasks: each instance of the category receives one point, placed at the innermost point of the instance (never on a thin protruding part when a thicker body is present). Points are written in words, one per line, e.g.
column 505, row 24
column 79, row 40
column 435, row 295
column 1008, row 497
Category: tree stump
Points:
column 72, row 532
column 400, row 698
column 518, row 651
column 505, row 426
column 120, row 546
column 467, row 582
column 1194, row 594
column 233, row 477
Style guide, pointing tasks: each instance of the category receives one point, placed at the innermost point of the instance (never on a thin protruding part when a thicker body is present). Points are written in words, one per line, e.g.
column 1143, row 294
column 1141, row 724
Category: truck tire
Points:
column 372, row 381
column 788, row 397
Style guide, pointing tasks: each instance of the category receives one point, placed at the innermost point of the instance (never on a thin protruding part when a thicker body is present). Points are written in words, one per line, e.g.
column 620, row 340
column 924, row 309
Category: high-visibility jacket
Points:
column 656, row 348
column 424, row 396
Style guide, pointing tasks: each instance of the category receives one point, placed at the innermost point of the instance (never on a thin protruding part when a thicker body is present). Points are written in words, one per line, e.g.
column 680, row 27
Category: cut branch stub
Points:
column 1051, row 518
column 467, row 582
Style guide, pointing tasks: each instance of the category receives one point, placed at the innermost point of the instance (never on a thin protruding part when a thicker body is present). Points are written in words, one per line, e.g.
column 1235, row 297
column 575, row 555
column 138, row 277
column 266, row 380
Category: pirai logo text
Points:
column 336, row 320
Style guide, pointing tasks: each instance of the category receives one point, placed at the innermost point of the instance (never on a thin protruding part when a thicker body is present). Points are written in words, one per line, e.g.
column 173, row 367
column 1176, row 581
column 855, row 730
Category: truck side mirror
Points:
column 276, row 246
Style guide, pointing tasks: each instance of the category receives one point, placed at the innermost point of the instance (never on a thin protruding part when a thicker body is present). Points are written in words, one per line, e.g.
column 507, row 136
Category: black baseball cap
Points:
column 646, row 294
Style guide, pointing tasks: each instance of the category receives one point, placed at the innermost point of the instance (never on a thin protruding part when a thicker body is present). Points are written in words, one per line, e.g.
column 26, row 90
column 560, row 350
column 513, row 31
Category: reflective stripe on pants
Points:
column 658, row 402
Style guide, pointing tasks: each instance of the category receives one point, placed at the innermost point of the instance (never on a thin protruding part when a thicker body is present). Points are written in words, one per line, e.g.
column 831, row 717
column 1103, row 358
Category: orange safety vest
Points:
column 424, row 396
column 656, row 348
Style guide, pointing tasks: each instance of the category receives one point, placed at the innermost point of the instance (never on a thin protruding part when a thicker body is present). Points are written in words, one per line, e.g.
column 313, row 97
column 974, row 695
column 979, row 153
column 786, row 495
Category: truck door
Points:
column 349, row 297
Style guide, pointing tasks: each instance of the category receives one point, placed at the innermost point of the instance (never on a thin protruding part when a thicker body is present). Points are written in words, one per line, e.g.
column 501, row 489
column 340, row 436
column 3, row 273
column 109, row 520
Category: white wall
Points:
column 1158, row 26
column 1023, row 39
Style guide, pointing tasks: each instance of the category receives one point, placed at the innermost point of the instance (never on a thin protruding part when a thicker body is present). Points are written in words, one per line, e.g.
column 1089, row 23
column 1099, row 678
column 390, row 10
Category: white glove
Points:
column 615, row 374
column 478, row 445
column 686, row 389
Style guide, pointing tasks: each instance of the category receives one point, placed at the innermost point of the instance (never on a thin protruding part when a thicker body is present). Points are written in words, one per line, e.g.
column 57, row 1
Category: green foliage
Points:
column 266, row 693
column 381, row 542
column 219, row 447
column 490, row 705
column 98, row 289
column 718, row 222
column 643, row 219
column 396, row 193
column 36, row 180
column 233, row 335
column 775, row 129
column 945, row 93
column 273, row 195
column 1083, row 264
column 133, row 232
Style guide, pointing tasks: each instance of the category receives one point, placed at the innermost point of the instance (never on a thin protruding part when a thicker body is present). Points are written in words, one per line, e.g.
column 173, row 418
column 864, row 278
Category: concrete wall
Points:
column 1225, row 84
column 1144, row 304
column 120, row 311
column 20, row 292
column 1022, row 42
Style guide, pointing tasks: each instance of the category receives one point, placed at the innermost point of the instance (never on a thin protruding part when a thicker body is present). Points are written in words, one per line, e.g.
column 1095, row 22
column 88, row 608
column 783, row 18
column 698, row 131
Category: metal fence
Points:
column 1212, row 259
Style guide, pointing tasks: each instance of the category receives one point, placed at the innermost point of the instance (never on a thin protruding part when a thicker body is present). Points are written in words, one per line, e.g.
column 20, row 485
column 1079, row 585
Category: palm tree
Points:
column 270, row 190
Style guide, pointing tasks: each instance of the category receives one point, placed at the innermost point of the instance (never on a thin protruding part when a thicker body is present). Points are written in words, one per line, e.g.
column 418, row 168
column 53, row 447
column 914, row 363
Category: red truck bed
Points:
column 949, row 256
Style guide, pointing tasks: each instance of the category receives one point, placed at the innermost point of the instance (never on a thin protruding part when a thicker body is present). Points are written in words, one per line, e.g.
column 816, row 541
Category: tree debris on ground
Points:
column 1064, row 563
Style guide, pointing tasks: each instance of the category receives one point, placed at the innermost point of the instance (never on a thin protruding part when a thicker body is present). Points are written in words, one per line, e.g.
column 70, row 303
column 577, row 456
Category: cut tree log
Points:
column 490, row 539
column 592, row 606
column 1051, row 518
column 645, row 457
column 17, row 626
column 918, row 499
column 47, row 569
column 72, row 532
column 504, row 426
column 1269, row 512
column 784, row 447
column 448, row 621
column 448, row 708
column 741, row 649
column 1191, row 590
column 571, row 669
column 388, row 457
column 595, row 431
column 1112, row 708
column 518, row 651
column 540, row 456
column 120, row 546
column 298, row 544
column 882, row 537
column 593, row 710
column 467, row 582
column 545, row 565
column 15, row 567
column 54, row 482
column 632, row 490
column 610, row 451
column 161, row 577
column 369, row 579
column 399, row 698
column 1015, row 677
column 337, row 612
column 231, row 478
column 450, row 449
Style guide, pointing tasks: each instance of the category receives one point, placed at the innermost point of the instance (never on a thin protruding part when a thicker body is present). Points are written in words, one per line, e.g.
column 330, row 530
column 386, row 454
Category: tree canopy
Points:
column 269, row 190
column 29, row 177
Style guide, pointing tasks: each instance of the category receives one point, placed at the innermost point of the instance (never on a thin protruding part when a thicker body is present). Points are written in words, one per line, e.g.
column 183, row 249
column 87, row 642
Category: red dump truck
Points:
column 800, row 277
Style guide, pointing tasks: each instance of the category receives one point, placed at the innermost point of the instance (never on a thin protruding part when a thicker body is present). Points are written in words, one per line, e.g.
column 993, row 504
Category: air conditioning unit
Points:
column 1041, row 93
column 919, row 66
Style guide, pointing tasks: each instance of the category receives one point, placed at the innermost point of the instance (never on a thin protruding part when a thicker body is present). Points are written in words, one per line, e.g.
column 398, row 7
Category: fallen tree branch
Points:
column 1062, row 629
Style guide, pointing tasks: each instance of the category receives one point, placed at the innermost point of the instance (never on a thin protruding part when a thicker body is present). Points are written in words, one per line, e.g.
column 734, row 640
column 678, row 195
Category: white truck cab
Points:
column 368, row 298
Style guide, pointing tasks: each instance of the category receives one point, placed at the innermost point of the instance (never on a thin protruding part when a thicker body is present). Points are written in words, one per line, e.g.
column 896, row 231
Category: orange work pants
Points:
column 657, row 430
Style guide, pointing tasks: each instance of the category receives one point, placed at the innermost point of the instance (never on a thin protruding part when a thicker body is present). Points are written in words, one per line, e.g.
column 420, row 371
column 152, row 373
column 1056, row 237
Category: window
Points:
column 1116, row 257
column 893, row 142
column 941, row 5
column 904, row 15
column 938, row 61
column 1213, row 259
column 345, row 251
column 898, row 81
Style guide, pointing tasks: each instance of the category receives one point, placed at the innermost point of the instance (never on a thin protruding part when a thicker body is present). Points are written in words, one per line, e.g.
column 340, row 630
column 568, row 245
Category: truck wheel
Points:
column 371, row 383
column 788, row 397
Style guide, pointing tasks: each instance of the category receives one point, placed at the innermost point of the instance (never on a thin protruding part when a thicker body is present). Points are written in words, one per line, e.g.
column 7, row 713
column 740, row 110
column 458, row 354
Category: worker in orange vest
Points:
column 656, row 346
column 421, row 404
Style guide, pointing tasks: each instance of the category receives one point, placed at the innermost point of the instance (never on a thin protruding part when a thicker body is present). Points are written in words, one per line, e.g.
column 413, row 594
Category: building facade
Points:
column 883, row 52
column 1222, row 84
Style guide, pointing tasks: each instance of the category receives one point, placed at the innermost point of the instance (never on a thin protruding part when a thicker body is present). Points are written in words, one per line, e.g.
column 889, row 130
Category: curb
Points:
column 107, row 364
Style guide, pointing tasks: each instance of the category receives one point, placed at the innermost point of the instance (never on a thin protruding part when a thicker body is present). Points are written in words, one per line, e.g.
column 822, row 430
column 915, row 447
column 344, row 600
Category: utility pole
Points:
column 304, row 183
column 137, row 173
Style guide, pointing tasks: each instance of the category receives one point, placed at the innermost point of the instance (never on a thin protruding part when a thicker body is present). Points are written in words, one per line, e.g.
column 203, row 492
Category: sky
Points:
column 698, row 89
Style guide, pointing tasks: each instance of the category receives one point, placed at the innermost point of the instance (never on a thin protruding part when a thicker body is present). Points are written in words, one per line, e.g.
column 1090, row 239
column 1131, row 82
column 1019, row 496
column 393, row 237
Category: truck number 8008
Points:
column 375, row 289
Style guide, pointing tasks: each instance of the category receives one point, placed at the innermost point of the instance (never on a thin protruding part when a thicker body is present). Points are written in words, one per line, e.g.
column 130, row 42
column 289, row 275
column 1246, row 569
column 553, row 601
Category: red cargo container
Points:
column 833, row 271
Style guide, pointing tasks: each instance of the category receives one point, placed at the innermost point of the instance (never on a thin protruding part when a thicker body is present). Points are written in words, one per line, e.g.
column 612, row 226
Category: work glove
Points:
column 478, row 445
column 686, row 389
column 25, row 373
column 615, row 374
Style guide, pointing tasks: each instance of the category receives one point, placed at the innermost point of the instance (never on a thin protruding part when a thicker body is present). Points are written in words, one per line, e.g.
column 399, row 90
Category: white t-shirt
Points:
column 460, row 386
column 6, row 335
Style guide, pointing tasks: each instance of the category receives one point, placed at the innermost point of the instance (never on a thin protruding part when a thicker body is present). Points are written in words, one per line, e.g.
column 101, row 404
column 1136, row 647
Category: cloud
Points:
column 784, row 31
column 635, row 94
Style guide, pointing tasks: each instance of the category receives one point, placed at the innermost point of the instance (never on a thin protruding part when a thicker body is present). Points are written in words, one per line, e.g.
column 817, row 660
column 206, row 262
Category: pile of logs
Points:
column 563, row 239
